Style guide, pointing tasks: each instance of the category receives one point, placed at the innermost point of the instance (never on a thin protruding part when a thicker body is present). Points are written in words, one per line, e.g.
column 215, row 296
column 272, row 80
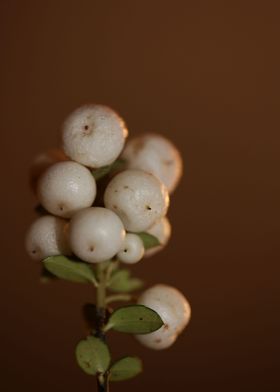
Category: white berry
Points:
column 94, row 135
column 174, row 310
column 157, row 155
column 156, row 340
column 65, row 188
column 96, row 234
column 162, row 231
column 138, row 198
column 133, row 249
column 47, row 236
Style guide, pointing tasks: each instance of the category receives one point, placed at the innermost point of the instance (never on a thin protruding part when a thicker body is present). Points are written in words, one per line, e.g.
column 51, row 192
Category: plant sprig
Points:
column 102, row 202
column 92, row 353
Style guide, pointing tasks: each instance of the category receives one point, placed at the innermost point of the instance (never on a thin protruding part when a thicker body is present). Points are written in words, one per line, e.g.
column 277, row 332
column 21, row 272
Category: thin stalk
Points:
column 102, row 383
column 101, row 289
column 102, row 379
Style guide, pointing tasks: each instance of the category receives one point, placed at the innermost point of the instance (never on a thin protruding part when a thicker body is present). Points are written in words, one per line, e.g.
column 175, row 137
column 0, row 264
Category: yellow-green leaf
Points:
column 68, row 269
column 149, row 240
column 103, row 171
column 125, row 368
column 93, row 355
column 122, row 282
column 136, row 319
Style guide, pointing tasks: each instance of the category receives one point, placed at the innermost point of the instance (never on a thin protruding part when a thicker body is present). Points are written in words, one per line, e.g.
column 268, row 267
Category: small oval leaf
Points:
column 65, row 268
column 136, row 319
column 125, row 368
column 122, row 282
column 149, row 240
column 93, row 355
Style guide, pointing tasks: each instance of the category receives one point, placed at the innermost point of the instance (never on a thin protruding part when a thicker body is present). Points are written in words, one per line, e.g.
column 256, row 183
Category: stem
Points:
column 101, row 300
column 101, row 289
column 103, row 276
column 102, row 383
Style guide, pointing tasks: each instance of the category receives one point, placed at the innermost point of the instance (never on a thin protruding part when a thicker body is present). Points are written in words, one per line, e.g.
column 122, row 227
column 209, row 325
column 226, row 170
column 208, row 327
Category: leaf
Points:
column 149, row 240
column 65, row 268
column 122, row 282
column 103, row 171
column 136, row 319
column 93, row 355
column 125, row 368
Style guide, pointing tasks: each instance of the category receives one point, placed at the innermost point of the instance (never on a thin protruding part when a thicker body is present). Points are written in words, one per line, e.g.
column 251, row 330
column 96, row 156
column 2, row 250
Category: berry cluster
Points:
column 103, row 203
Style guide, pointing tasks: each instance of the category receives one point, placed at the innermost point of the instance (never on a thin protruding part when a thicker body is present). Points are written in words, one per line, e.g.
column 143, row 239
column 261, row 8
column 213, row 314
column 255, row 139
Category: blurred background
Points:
column 206, row 75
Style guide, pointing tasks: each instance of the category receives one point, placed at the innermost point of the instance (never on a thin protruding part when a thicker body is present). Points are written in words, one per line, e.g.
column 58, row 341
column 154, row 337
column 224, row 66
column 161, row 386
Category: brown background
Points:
column 204, row 73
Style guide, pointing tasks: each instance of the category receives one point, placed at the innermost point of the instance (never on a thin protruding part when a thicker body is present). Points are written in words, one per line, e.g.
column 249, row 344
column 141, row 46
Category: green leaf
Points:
column 125, row 368
column 149, row 240
column 103, row 171
column 136, row 319
column 68, row 269
column 122, row 282
column 93, row 355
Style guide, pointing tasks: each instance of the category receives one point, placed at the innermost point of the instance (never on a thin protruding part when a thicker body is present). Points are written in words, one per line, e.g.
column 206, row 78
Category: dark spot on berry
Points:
column 86, row 130
column 158, row 340
column 166, row 326
column 91, row 248
column 148, row 208
column 125, row 250
column 125, row 187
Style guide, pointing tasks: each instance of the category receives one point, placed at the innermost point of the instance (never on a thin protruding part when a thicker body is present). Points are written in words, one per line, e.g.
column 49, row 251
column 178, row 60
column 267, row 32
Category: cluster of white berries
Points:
column 135, row 200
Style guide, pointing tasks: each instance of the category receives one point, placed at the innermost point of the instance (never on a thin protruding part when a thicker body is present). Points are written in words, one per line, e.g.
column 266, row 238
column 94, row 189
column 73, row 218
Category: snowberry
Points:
column 138, row 198
column 47, row 236
column 157, row 155
column 157, row 340
column 42, row 162
column 96, row 234
column 94, row 135
column 162, row 231
column 66, row 187
column 174, row 310
column 133, row 249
